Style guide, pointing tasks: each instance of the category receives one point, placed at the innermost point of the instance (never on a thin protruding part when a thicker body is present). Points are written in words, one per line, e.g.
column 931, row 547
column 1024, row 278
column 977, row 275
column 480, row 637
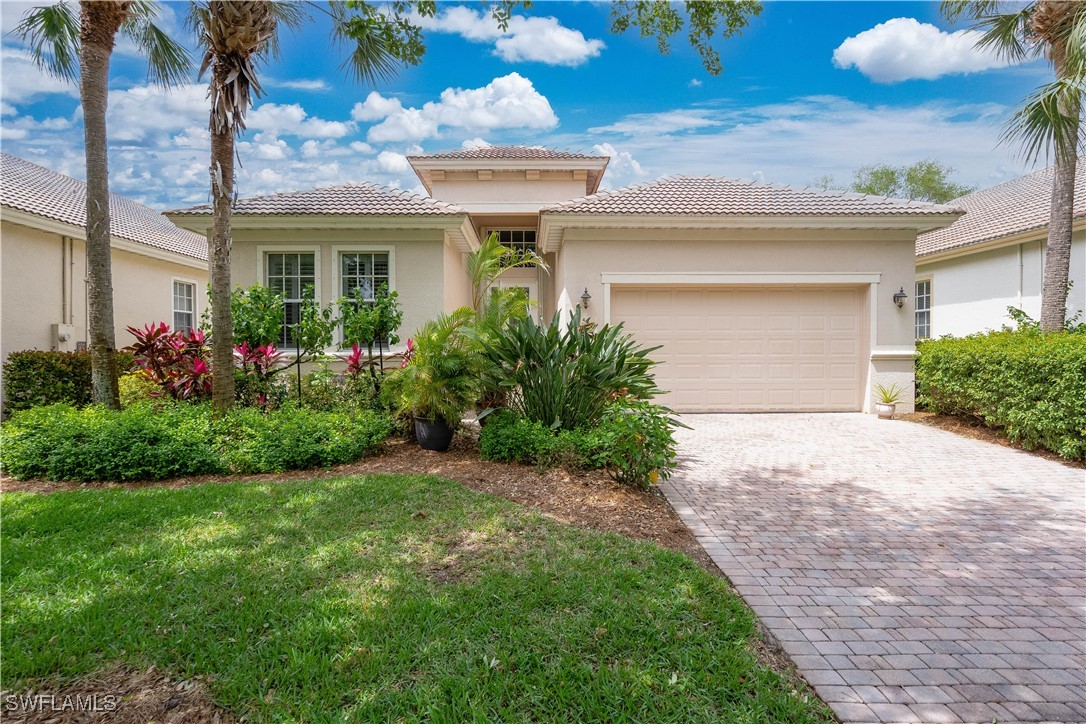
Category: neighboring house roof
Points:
column 356, row 199
column 1011, row 208
column 510, row 153
column 34, row 189
column 707, row 195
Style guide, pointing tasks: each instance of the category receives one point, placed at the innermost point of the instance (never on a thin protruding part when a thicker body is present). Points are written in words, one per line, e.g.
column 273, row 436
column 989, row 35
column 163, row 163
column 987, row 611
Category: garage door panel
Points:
column 751, row 348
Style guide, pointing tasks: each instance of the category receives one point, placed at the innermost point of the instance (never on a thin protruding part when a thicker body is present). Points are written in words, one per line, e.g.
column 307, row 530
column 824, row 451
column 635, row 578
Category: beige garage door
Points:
column 741, row 348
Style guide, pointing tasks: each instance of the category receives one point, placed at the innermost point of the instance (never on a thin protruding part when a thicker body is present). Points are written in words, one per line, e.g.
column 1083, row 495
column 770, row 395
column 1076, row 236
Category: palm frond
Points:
column 1049, row 121
column 1009, row 35
column 168, row 61
column 53, row 34
column 372, row 57
column 955, row 10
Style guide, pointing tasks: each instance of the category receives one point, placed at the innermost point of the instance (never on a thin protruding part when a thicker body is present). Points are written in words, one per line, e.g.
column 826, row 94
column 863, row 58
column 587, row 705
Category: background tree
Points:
column 1050, row 119
column 922, row 181
column 67, row 47
column 381, row 38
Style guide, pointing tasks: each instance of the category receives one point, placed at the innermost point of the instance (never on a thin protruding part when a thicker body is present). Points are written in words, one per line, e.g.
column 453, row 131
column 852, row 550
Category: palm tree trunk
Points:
column 222, row 323
column 1061, row 214
column 99, row 22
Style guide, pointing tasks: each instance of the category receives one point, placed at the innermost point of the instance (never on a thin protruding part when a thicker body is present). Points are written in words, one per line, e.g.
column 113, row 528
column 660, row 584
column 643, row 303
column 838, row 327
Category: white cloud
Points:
column 393, row 162
column 664, row 122
column 507, row 102
column 361, row 147
column 144, row 112
column 474, row 143
column 24, row 82
column 623, row 169
column 905, row 49
column 532, row 39
column 312, row 85
column 695, row 83
column 292, row 120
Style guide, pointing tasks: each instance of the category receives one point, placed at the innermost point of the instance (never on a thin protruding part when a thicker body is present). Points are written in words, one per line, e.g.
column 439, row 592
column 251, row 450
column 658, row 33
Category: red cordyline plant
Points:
column 356, row 363
column 176, row 361
column 257, row 364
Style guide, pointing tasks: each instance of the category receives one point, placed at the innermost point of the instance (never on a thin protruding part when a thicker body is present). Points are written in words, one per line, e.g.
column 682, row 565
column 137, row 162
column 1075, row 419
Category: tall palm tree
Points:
column 235, row 35
column 1050, row 120
column 67, row 47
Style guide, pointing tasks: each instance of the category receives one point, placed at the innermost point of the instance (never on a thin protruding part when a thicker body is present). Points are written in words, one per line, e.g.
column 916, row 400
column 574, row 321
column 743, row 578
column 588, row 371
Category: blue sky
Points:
column 809, row 89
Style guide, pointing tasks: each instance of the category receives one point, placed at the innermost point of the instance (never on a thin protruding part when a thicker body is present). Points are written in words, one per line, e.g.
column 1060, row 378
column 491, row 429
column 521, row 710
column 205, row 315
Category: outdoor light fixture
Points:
column 585, row 298
column 899, row 297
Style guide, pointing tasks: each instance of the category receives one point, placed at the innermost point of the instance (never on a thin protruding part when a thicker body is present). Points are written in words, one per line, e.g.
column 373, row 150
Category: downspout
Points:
column 1021, row 276
column 65, row 272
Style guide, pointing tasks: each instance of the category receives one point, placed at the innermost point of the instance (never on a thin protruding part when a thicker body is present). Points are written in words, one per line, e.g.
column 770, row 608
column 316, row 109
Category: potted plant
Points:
column 442, row 380
column 887, row 399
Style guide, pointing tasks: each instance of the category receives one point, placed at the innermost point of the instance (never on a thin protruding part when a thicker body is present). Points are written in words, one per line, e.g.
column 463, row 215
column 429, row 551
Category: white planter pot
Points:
column 885, row 411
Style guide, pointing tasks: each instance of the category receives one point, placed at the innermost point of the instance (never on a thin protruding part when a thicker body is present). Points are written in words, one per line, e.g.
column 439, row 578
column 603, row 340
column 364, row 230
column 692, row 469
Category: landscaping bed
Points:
column 973, row 428
column 390, row 596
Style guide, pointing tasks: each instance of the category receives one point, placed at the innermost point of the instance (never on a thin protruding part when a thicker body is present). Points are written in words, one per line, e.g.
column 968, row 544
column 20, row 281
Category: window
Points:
column 288, row 274
column 519, row 240
column 362, row 270
column 184, row 306
column 923, row 309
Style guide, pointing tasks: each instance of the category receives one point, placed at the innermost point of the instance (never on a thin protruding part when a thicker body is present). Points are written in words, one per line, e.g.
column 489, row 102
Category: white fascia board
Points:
column 344, row 221
column 552, row 224
column 797, row 277
column 63, row 228
column 508, row 164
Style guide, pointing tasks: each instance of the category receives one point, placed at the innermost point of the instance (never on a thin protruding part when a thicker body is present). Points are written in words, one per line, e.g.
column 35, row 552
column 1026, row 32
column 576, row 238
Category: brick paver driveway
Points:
column 912, row 574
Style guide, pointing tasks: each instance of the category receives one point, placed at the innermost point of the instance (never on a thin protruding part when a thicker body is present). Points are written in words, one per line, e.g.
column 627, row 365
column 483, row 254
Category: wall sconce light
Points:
column 585, row 299
column 899, row 297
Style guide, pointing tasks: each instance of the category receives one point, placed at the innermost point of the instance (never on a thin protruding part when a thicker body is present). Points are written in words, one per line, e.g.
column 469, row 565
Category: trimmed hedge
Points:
column 35, row 377
column 156, row 441
column 1032, row 385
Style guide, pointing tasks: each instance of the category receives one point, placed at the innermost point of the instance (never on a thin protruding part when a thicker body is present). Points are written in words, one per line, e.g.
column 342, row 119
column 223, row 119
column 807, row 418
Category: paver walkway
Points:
column 912, row 574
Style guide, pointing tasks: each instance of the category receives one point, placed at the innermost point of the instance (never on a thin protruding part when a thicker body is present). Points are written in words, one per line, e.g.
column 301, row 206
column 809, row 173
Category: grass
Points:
column 375, row 598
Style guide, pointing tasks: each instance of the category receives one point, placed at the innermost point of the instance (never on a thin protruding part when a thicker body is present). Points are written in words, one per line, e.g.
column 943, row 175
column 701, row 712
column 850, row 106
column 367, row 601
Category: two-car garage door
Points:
column 745, row 348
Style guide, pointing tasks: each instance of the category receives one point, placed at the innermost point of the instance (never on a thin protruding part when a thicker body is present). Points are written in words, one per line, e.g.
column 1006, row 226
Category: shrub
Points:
column 61, row 442
column 174, row 360
column 171, row 439
column 633, row 441
column 1030, row 384
column 507, row 437
column 291, row 437
column 137, row 389
column 41, row 377
column 563, row 375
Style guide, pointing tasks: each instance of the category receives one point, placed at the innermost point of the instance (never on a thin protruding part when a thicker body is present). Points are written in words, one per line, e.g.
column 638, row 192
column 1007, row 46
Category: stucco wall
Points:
column 417, row 263
column 34, row 287
column 586, row 255
column 971, row 293
column 457, row 284
column 507, row 191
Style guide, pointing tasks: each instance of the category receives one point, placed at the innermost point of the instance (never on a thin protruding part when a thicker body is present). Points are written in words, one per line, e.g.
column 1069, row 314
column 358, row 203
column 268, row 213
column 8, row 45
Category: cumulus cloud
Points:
column 507, row 102
column 292, row 120
column 474, row 143
column 311, row 85
column 664, row 122
column 695, row 83
column 532, row 39
column 906, row 49
column 623, row 168
column 24, row 82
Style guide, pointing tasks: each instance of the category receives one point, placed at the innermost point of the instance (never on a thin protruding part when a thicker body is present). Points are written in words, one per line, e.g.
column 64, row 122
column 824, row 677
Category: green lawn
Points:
column 375, row 598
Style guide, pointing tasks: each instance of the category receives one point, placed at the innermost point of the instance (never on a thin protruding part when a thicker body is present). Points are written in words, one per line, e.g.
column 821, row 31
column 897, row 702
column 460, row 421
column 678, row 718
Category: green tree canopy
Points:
column 926, row 180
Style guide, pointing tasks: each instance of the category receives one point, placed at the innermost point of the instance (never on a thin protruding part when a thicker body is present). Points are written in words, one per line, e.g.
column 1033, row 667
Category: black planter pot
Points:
column 433, row 435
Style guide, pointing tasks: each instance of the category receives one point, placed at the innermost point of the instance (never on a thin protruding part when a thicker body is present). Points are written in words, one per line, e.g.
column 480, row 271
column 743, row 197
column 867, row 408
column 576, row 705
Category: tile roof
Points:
column 37, row 190
column 707, row 195
column 513, row 153
column 1010, row 208
column 357, row 199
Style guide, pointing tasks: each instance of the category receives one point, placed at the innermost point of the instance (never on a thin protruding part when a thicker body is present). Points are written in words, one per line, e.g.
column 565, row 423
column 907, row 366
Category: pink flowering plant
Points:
column 175, row 360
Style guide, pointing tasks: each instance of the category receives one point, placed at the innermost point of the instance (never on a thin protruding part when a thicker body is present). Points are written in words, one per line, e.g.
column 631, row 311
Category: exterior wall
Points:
column 42, row 283
column 971, row 293
column 417, row 260
column 506, row 191
column 457, row 284
column 587, row 255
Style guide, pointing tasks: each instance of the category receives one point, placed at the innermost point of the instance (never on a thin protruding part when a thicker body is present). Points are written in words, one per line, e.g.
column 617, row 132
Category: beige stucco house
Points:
column 159, row 270
column 763, row 297
column 968, row 273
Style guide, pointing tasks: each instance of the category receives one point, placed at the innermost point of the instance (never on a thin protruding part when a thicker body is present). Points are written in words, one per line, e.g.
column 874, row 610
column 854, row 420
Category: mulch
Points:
column 974, row 428
column 587, row 499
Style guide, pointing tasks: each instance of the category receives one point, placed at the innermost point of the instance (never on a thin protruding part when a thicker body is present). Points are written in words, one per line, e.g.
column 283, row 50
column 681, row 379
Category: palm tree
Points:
column 235, row 35
column 1050, row 120
column 68, row 47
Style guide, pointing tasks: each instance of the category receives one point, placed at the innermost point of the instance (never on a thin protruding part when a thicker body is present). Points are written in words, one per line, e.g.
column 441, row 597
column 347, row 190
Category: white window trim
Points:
column 931, row 305
column 195, row 300
column 337, row 277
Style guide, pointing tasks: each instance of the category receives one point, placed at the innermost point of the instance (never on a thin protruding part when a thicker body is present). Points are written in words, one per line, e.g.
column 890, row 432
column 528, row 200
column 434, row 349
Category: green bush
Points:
column 564, row 374
column 633, row 441
column 34, row 377
column 60, row 442
column 506, row 437
column 146, row 442
column 294, row 438
column 1030, row 384
column 137, row 389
